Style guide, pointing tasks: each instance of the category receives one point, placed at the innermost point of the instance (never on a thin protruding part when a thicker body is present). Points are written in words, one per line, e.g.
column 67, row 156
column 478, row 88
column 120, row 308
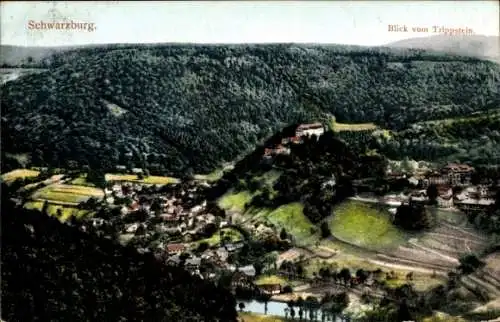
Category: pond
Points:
column 273, row 308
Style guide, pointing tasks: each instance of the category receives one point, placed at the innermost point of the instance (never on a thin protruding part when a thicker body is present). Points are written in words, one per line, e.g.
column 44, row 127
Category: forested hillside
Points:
column 54, row 272
column 470, row 45
column 187, row 108
column 474, row 139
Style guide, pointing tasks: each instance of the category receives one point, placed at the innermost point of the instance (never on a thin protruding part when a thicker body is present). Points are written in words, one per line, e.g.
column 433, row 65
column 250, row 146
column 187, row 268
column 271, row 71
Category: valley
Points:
column 260, row 219
column 325, row 180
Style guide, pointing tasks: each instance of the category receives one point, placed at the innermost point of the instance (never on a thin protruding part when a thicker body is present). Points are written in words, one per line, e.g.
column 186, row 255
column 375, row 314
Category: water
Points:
column 273, row 308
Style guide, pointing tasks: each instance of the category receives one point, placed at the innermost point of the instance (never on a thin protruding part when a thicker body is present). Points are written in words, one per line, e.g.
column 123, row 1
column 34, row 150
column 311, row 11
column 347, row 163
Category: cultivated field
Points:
column 65, row 212
column 147, row 180
column 64, row 194
column 18, row 173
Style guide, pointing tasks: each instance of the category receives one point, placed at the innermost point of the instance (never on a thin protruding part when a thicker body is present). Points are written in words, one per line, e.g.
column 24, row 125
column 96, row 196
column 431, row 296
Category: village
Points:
column 182, row 228
column 177, row 223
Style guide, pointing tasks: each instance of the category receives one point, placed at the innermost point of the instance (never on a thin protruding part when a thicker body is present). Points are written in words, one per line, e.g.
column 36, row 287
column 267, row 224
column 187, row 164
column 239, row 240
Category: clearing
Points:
column 365, row 226
column 235, row 201
column 215, row 240
column 340, row 127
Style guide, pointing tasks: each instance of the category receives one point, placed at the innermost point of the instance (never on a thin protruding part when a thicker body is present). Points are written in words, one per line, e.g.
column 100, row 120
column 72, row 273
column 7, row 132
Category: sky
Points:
column 342, row 22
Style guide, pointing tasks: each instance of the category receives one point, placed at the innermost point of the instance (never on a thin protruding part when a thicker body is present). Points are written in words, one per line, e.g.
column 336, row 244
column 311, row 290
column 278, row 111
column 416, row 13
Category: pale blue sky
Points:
column 343, row 22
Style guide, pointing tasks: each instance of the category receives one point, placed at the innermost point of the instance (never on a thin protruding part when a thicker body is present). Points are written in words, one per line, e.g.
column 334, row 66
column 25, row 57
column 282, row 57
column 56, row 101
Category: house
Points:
column 97, row 222
column 434, row 178
column 174, row 260
column 169, row 217
column 132, row 228
column 222, row 253
column 393, row 201
column 121, row 168
column 419, row 199
column 279, row 149
column 231, row 247
column 270, row 289
column 241, row 280
column 193, row 263
column 310, row 129
column 175, row 248
column 445, row 196
column 137, row 171
column 248, row 270
column 330, row 183
column 124, row 210
column 458, row 174
column 134, row 206
column 196, row 209
column 470, row 205
column 414, row 181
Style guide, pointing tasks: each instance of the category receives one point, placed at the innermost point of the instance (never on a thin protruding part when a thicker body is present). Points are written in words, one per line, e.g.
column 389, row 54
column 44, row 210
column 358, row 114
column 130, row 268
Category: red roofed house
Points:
column 134, row 206
column 175, row 248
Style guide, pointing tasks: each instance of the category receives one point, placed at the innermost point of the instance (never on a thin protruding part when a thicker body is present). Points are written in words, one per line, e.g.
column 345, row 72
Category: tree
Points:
column 345, row 275
column 412, row 217
column 362, row 275
column 432, row 193
column 45, row 208
column 469, row 263
column 325, row 230
column 283, row 234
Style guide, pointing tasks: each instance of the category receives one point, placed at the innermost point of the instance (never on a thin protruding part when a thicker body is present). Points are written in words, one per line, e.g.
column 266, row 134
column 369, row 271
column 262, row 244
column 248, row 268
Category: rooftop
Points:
column 309, row 126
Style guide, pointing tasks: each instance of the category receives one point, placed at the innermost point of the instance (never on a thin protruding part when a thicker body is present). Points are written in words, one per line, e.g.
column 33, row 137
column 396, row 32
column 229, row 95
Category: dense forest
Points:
column 55, row 272
column 188, row 108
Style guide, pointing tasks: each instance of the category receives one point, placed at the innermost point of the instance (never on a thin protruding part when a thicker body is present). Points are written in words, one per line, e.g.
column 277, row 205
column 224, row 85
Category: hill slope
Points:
column 185, row 108
column 475, row 45
column 53, row 272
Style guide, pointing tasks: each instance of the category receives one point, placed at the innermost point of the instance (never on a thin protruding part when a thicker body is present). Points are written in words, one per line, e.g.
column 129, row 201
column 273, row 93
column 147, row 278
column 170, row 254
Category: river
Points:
column 274, row 308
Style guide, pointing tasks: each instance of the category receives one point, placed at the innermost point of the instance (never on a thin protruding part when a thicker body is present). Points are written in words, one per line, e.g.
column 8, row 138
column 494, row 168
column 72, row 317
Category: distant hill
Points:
column 178, row 109
column 475, row 45
column 15, row 56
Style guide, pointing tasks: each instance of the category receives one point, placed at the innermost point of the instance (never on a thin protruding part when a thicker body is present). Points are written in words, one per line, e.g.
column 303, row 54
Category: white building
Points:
column 310, row 129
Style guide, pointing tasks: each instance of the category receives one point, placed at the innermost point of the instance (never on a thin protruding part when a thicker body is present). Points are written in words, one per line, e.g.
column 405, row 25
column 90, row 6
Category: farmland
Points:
column 64, row 214
column 65, row 194
column 159, row 180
